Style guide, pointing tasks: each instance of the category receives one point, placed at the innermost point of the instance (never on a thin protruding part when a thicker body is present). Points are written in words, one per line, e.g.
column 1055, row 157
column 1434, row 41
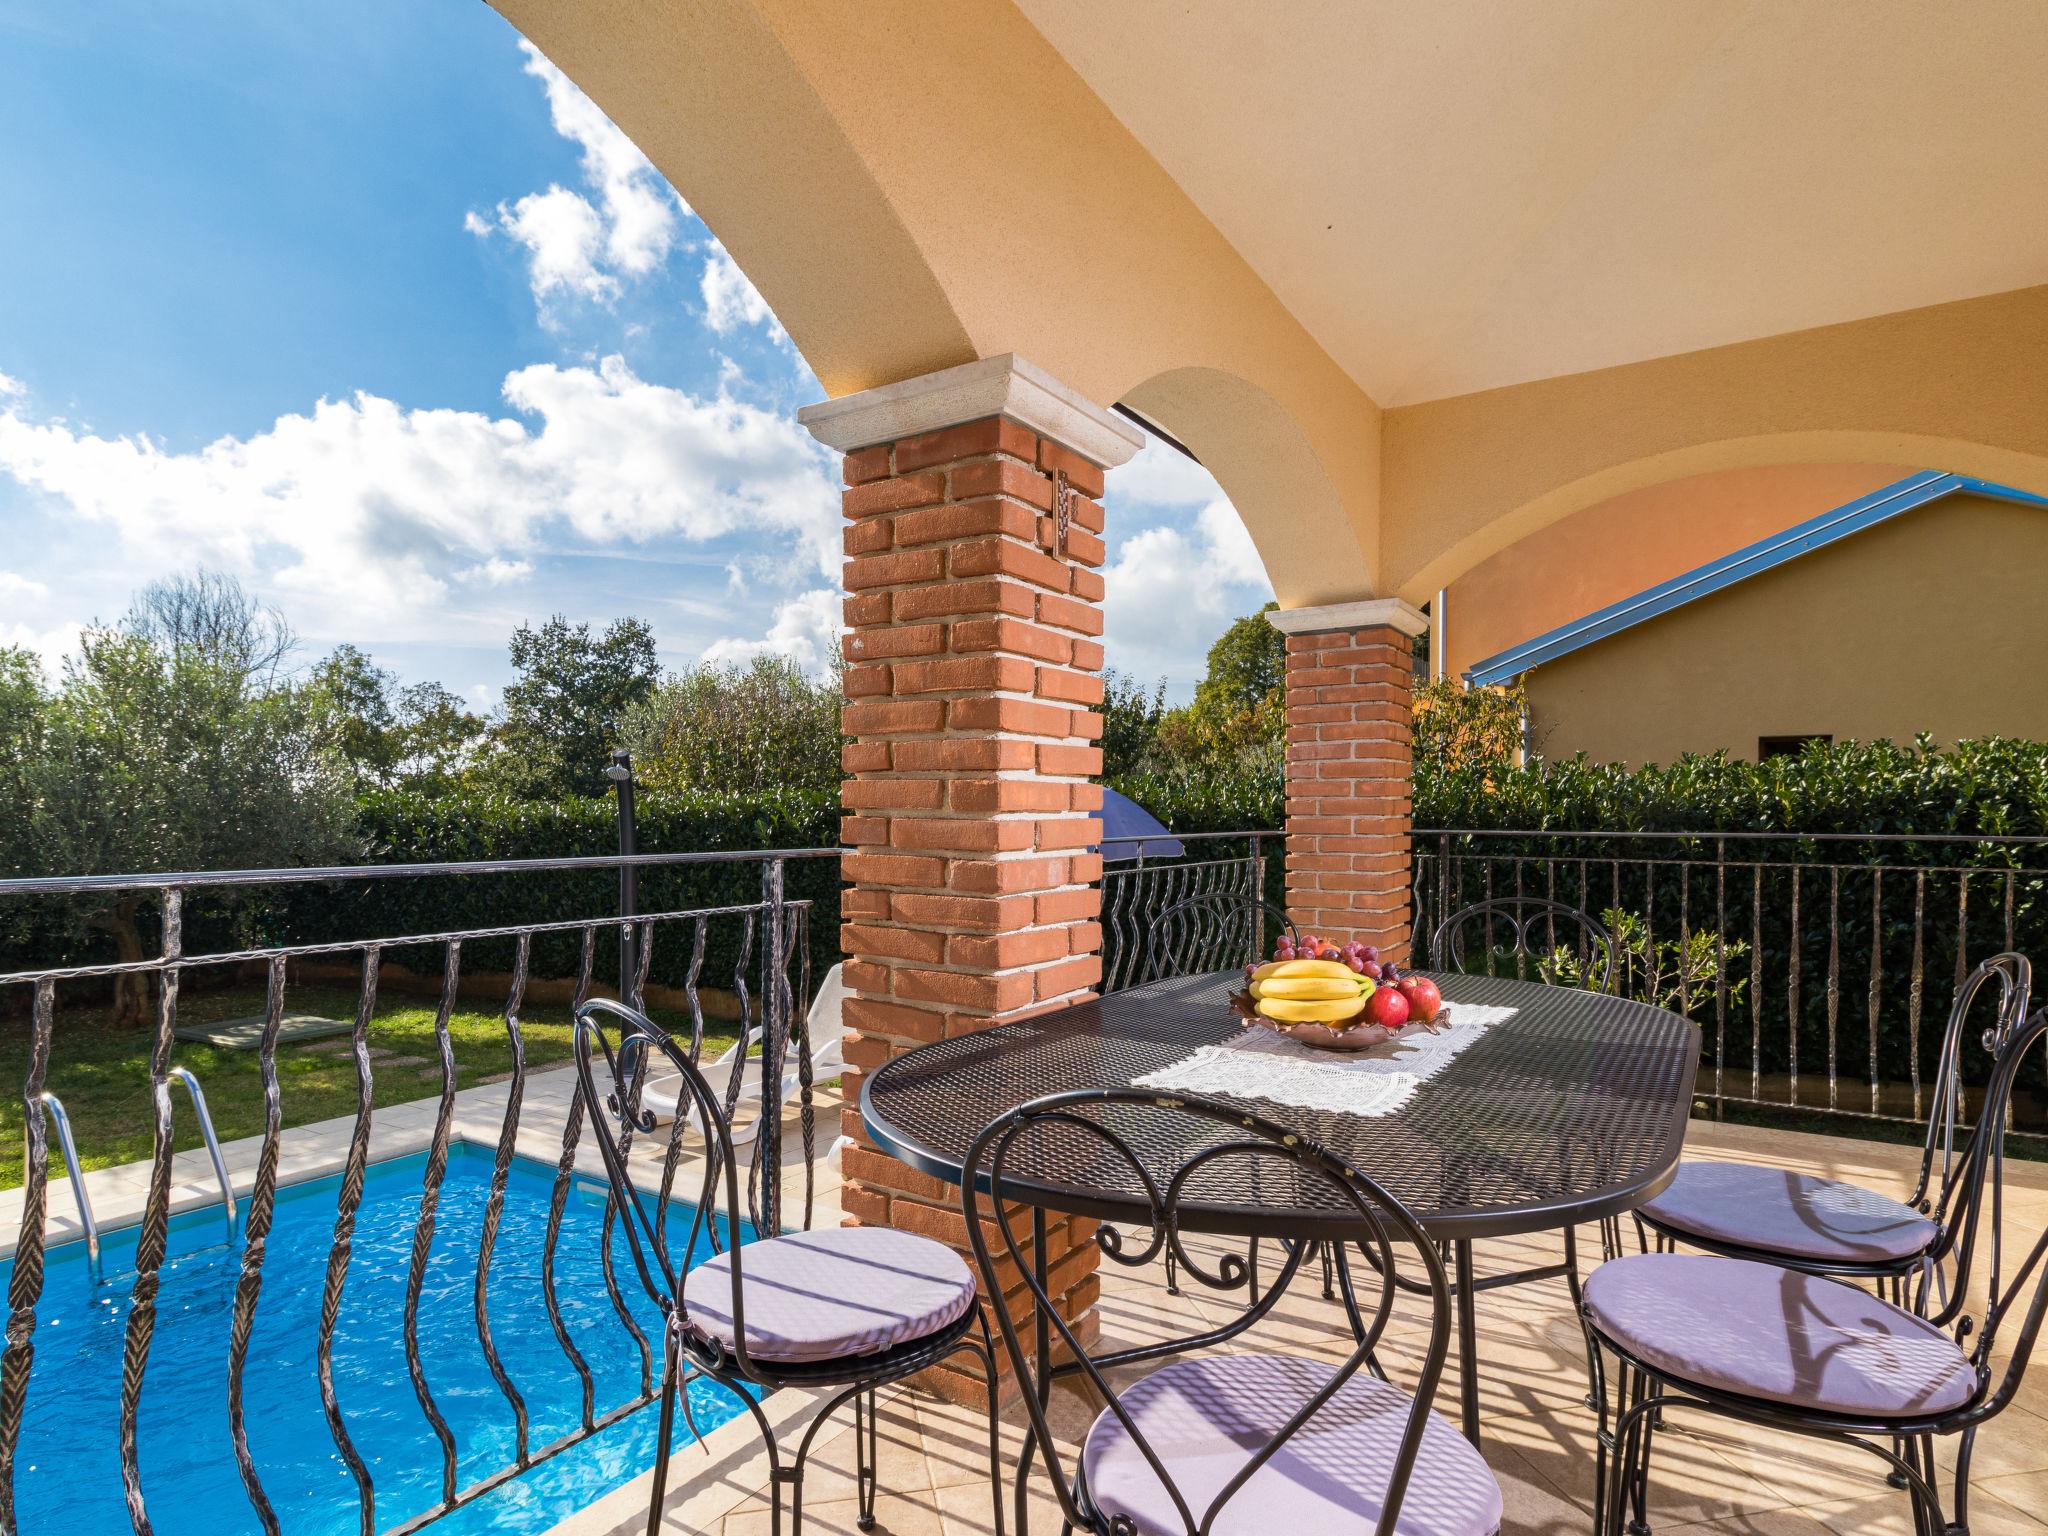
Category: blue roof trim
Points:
column 1802, row 538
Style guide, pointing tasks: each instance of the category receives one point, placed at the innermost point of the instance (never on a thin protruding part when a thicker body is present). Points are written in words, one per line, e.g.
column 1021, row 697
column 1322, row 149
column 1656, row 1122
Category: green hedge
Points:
column 412, row 828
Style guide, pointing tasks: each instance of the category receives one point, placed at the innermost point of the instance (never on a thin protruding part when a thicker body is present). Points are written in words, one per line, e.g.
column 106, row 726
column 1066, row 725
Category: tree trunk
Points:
column 131, row 988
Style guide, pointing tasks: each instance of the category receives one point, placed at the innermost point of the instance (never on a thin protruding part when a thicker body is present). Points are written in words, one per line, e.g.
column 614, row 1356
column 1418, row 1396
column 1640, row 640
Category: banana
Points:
column 1292, row 968
column 1289, row 1010
column 1308, row 988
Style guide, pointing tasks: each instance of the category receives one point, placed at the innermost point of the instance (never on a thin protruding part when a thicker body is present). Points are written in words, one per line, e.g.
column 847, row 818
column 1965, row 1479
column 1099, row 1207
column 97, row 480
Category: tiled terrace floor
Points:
column 1538, row 1431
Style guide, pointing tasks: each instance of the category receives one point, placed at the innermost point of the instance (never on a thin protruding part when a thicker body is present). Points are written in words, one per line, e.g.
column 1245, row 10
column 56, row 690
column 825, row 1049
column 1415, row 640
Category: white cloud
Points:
column 574, row 245
column 495, row 573
column 11, row 388
column 16, row 588
column 564, row 239
column 1159, row 476
column 366, row 515
column 1171, row 592
column 730, row 297
column 640, row 208
column 806, row 630
column 50, row 645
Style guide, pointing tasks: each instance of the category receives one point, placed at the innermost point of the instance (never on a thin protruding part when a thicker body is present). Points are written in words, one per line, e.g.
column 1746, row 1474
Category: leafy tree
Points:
column 355, row 696
column 745, row 729
column 1130, row 722
column 174, row 744
column 562, row 718
column 436, row 737
column 1461, row 727
column 24, row 710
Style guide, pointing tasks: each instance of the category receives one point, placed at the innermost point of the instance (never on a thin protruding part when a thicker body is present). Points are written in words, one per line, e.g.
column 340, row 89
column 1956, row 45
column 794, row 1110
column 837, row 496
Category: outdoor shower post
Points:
column 621, row 774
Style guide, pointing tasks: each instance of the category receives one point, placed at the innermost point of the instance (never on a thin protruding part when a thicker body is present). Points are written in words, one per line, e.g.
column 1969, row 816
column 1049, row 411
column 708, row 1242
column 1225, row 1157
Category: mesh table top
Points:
column 1573, row 1109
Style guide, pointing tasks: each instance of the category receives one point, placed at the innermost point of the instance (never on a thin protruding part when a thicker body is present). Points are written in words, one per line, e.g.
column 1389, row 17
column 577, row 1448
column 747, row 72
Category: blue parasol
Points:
column 1123, row 817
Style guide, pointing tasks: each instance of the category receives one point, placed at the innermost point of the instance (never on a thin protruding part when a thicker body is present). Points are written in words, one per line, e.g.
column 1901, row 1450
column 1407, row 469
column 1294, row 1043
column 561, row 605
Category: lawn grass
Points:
column 102, row 1072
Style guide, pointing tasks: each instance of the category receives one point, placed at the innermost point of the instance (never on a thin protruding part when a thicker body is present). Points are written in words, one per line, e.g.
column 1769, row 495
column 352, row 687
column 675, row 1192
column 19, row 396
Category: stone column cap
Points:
column 1007, row 385
column 1367, row 613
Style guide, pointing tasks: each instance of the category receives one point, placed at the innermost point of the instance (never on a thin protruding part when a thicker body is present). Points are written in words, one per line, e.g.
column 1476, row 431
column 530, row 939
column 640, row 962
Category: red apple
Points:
column 1425, row 1002
column 1387, row 1008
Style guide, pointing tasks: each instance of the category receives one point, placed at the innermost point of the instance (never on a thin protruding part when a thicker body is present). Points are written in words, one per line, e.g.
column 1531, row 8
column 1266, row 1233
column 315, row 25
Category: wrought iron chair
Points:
column 1794, row 1352
column 1217, row 931
column 1823, row 1227
column 1234, row 1443
column 1213, row 931
column 854, row 1308
column 1519, row 916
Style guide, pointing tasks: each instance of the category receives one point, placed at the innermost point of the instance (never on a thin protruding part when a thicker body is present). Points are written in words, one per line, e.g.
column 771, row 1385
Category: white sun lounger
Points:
column 828, row 1060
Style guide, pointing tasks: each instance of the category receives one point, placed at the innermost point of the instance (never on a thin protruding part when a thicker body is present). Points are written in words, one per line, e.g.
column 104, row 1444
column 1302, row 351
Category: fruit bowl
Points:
column 1336, row 999
column 1355, row 1036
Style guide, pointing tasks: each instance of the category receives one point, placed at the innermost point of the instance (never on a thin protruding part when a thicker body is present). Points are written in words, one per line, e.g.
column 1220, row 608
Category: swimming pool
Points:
column 67, row 1471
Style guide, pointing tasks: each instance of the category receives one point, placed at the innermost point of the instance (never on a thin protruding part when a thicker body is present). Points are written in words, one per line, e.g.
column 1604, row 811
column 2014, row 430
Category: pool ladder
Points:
column 54, row 1108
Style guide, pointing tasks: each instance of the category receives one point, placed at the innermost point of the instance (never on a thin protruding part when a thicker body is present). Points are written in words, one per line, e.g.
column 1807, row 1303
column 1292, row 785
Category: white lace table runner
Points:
column 1259, row 1064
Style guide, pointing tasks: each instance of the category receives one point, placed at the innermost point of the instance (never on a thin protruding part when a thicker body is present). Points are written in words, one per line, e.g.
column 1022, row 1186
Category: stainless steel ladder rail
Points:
column 220, row 1167
column 53, row 1107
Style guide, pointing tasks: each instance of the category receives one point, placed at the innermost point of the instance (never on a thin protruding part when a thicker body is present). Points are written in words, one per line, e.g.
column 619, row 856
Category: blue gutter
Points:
column 1879, row 506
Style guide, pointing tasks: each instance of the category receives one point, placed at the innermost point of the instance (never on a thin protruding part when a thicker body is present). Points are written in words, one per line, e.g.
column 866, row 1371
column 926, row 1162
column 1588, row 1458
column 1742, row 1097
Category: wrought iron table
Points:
column 1572, row 1110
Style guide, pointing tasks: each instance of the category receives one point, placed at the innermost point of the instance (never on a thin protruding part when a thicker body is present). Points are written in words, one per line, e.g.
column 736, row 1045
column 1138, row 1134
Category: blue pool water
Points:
column 67, row 1471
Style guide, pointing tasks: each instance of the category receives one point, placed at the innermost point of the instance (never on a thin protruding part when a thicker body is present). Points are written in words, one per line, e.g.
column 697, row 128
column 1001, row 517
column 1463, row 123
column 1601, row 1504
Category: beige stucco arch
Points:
column 912, row 187
column 1956, row 387
column 2025, row 471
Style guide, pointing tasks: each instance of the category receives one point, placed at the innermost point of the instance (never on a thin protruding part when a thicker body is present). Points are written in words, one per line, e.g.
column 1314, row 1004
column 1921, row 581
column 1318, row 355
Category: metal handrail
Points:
column 54, row 1107
column 1625, row 834
column 220, row 1167
column 76, row 885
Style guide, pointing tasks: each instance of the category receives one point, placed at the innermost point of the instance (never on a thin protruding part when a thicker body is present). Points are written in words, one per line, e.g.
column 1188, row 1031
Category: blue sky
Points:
column 370, row 307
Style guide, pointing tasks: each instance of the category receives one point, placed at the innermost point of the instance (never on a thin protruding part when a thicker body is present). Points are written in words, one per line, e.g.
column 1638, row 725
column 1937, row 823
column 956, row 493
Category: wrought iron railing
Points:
column 1820, row 968
column 762, row 947
column 1136, row 889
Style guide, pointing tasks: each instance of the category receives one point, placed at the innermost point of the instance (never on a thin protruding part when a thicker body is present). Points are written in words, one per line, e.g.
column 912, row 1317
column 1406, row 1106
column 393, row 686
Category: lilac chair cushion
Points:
column 834, row 1294
column 1759, row 1331
column 1204, row 1418
column 1792, row 1214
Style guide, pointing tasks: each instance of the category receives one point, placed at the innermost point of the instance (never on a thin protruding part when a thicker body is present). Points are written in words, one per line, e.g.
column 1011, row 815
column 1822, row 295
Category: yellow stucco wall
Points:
column 1631, row 543
column 1935, row 621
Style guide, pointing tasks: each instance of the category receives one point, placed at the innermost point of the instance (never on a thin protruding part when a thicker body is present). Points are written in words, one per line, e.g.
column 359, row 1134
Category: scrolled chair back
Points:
column 2003, row 1291
column 1068, row 1134
column 610, row 1074
column 1213, row 931
column 1533, row 927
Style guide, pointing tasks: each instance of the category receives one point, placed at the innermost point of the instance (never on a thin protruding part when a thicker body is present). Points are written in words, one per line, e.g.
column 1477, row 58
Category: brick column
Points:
column 973, row 671
column 1350, row 679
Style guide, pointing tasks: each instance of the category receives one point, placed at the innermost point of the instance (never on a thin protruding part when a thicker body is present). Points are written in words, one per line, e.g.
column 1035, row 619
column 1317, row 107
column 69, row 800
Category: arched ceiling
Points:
column 1465, row 194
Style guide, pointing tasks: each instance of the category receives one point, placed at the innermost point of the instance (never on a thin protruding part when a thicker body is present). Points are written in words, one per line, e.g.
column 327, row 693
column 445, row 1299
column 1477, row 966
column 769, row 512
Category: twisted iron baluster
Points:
column 1919, row 981
column 765, row 1175
column 255, row 1241
column 807, row 1114
column 156, row 1217
column 558, row 1203
column 1876, row 977
column 346, row 1205
column 25, row 1285
column 679, row 1121
column 1756, row 981
column 739, row 987
column 494, row 1206
column 423, row 1228
column 629, row 1120
column 1834, row 981
column 1792, row 968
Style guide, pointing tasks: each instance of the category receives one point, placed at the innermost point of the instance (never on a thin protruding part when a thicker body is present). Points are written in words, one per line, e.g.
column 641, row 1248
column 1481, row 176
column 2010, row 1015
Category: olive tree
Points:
column 176, row 741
